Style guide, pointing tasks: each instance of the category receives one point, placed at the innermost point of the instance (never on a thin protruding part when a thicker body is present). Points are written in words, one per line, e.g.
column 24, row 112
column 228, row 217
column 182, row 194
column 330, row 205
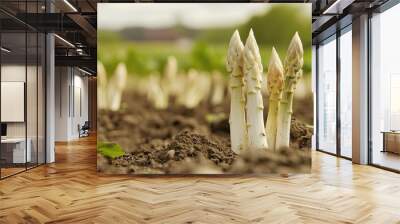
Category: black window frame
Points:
column 30, row 29
column 333, row 34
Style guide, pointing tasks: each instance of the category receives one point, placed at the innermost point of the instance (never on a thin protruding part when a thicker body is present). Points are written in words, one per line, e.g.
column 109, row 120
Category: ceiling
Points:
column 330, row 15
column 76, row 21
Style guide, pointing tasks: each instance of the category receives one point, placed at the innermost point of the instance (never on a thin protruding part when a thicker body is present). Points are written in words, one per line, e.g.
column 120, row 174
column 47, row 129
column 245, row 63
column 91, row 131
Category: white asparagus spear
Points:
column 101, row 86
column 254, row 104
column 237, row 117
column 117, row 86
column 169, row 84
column 197, row 88
column 275, row 87
column 293, row 72
column 171, row 68
column 218, row 88
column 155, row 93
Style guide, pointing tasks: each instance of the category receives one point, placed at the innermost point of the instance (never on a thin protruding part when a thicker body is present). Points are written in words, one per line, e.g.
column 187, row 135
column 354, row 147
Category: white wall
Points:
column 71, row 87
column 62, row 82
column 14, row 73
column 33, row 127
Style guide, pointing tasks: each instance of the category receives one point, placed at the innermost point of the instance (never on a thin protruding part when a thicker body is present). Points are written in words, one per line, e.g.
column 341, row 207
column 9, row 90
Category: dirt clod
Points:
column 179, row 140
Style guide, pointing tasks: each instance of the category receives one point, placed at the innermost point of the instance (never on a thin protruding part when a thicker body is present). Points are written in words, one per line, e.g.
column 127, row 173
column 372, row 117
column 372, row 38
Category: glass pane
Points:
column 327, row 96
column 31, row 97
column 41, row 98
column 385, row 114
column 32, row 87
column 23, row 90
column 346, row 94
column 13, row 86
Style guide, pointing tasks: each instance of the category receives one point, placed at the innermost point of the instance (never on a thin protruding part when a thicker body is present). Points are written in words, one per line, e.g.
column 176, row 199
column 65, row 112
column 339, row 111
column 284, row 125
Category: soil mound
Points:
column 185, row 145
column 187, row 141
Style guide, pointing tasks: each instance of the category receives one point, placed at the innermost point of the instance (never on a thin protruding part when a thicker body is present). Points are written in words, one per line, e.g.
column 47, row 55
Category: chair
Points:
column 84, row 130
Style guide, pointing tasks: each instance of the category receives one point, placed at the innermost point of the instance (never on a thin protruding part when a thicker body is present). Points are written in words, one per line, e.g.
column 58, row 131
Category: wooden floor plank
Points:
column 71, row 191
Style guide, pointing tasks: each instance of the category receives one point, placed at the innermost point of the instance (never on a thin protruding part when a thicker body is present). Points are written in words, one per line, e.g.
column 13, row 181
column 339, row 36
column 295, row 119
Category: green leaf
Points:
column 110, row 150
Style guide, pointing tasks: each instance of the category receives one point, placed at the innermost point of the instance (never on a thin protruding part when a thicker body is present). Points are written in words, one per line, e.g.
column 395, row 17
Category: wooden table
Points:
column 391, row 141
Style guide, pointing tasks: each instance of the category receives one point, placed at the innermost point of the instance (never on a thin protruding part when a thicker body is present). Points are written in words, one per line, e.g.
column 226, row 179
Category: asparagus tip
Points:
column 275, row 75
column 294, row 56
column 251, row 33
column 234, row 51
column 101, row 74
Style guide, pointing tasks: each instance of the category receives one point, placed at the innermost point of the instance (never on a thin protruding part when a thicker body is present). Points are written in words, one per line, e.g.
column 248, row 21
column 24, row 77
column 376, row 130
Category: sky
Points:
column 115, row 16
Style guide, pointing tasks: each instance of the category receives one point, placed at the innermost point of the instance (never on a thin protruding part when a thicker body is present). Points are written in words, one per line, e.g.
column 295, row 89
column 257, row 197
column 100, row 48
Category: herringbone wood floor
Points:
column 70, row 191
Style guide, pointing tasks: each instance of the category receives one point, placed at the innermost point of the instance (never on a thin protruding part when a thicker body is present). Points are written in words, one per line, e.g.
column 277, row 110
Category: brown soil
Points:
column 182, row 141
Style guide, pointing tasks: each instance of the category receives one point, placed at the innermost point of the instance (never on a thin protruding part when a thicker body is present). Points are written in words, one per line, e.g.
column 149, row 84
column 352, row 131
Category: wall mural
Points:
column 204, row 88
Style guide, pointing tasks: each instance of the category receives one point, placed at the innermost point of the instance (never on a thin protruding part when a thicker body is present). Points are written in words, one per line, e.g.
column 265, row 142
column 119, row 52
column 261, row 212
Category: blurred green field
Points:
column 144, row 58
column 205, row 49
